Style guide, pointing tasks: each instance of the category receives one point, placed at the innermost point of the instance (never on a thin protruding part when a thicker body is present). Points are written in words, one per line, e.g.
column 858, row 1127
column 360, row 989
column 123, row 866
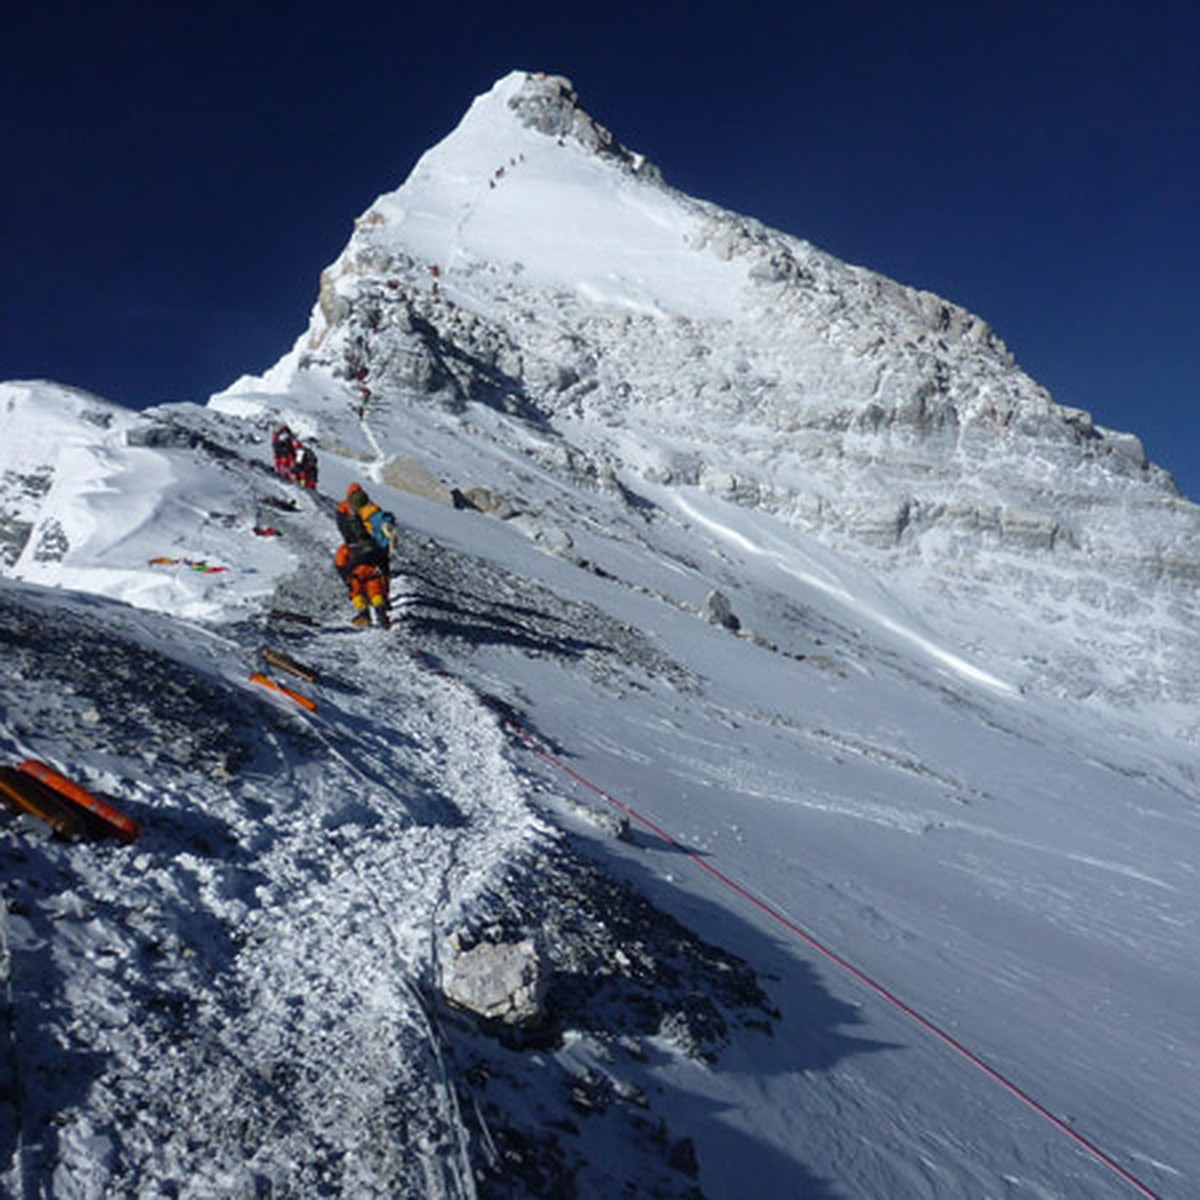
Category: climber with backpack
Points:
column 364, row 558
column 305, row 471
column 283, row 447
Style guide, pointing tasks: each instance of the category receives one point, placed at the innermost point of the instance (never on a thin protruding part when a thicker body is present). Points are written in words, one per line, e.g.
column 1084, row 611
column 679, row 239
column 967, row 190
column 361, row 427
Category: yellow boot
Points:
column 362, row 618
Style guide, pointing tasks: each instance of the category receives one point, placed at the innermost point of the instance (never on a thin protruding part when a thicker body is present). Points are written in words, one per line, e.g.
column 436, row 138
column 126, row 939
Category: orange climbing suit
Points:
column 368, row 585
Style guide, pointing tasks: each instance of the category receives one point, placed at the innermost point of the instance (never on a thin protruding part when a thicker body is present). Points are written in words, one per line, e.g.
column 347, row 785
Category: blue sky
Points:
column 174, row 181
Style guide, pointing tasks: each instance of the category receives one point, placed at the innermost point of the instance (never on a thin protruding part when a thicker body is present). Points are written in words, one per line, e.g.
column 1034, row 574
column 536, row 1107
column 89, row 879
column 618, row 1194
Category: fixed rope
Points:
column 785, row 922
column 781, row 919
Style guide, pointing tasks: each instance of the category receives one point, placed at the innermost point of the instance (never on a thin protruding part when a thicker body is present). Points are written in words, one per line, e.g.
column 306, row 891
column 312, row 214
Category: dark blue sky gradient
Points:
column 172, row 182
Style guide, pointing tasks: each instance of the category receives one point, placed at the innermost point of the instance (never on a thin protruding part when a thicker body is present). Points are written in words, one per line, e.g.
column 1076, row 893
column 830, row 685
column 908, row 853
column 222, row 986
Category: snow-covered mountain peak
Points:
column 739, row 593
column 549, row 105
column 523, row 112
column 535, row 194
column 533, row 279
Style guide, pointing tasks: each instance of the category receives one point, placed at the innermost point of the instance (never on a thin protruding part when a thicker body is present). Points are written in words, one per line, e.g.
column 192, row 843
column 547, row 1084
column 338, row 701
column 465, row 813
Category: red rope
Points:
column 792, row 927
column 787, row 923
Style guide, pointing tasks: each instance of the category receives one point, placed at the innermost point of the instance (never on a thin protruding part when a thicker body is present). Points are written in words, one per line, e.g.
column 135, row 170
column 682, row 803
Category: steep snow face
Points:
column 526, row 159
column 536, row 283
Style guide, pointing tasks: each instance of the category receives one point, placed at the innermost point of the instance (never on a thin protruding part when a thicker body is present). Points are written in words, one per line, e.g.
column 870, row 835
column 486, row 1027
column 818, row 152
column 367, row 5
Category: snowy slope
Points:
column 935, row 799
column 93, row 494
column 532, row 266
column 1016, row 870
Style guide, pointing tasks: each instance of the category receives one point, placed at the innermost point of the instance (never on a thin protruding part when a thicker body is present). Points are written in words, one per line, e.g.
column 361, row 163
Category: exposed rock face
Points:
column 548, row 103
column 502, row 982
column 19, row 492
column 485, row 500
column 718, row 611
column 410, row 474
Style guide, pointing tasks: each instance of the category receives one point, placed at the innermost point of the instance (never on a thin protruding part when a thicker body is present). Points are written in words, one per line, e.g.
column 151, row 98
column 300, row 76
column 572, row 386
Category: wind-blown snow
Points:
column 954, row 738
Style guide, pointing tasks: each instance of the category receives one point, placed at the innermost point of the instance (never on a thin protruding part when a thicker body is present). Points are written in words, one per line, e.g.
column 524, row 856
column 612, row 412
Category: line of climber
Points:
column 363, row 559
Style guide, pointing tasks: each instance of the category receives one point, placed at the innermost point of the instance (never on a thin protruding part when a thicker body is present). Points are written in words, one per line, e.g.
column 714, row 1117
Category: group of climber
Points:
column 363, row 560
column 295, row 461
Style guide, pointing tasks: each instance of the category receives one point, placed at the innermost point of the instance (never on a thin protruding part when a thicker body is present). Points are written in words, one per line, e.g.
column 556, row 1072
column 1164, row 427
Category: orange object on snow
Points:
column 111, row 820
column 26, row 794
column 297, row 697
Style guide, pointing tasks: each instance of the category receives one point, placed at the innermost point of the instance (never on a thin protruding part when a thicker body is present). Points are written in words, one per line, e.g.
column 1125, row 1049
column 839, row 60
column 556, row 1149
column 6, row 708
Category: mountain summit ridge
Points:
column 532, row 268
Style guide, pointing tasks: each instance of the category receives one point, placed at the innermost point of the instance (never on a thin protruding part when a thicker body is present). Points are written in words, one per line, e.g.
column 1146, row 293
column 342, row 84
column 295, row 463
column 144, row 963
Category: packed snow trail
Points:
column 285, row 919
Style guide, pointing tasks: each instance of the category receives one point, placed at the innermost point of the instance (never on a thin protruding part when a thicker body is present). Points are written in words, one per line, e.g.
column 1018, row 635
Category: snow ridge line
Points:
column 926, row 1023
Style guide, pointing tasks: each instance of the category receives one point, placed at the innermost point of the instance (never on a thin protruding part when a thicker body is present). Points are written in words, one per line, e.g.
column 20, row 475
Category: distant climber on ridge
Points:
column 305, row 470
column 364, row 558
column 283, row 447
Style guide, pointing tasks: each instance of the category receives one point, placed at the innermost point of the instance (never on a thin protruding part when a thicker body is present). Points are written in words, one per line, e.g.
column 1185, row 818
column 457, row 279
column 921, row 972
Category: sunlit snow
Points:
column 953, row 739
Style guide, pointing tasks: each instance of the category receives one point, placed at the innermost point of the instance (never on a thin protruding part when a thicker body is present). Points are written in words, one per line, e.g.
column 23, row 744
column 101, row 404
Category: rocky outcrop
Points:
column 409, row 474
column 485, row 500
column 717, row 610
column 548, row 103
column 503, row 982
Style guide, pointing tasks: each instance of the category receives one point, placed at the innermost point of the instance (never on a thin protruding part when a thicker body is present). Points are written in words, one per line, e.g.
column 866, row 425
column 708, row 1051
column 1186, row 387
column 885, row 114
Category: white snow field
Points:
column 887, row 886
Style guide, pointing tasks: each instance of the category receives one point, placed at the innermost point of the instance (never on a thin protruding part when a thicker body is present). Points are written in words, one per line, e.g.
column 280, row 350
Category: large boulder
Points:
column 503, row 982
column 718, row 611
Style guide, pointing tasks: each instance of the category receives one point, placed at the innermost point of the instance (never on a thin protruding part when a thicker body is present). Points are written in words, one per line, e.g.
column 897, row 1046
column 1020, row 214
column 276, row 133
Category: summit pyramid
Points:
column 537, row 285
